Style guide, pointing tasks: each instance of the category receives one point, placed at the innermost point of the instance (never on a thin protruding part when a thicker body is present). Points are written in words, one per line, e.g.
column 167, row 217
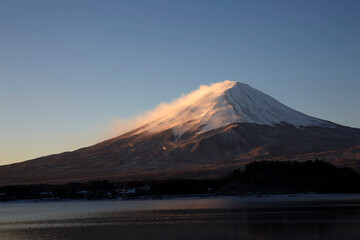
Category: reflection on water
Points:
column 237, row 218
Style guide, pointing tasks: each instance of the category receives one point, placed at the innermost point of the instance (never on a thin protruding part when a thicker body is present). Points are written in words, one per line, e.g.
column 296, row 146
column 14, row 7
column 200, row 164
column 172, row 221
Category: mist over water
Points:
column 233, row 218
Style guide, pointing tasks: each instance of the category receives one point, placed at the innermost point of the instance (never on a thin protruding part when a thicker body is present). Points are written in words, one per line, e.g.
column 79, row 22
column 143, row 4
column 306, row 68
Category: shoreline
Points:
column 303, row 197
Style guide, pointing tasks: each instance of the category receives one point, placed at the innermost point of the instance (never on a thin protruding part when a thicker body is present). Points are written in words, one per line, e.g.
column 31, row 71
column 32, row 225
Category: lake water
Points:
column 275, row 217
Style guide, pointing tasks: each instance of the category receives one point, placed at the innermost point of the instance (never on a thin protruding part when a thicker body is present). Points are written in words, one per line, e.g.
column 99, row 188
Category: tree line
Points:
column 262, row 177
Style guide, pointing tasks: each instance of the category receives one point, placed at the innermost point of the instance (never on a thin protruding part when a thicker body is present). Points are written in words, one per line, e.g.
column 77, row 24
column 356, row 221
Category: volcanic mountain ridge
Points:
column 205, row 134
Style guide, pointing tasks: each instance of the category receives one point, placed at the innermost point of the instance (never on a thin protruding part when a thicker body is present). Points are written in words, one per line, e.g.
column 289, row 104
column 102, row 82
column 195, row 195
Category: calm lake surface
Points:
column 275, row 217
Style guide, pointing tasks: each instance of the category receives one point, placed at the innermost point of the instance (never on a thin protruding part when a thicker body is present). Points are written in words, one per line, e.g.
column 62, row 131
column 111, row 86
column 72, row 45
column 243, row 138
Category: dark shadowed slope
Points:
column 209, row 154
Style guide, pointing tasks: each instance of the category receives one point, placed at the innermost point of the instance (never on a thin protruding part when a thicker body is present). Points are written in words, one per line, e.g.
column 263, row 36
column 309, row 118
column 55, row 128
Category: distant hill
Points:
column 271, row 177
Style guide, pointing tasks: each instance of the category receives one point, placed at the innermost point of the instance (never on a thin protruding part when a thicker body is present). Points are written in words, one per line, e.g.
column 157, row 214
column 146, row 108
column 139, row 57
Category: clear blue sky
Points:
column 68, row 68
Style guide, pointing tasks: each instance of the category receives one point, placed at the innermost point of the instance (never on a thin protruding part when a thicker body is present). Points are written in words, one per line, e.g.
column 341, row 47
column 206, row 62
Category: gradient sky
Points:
column 70, row 68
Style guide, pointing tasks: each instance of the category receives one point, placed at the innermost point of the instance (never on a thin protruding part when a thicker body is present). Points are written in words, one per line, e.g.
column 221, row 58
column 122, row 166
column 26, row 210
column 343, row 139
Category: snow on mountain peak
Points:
column 223, row 103
column 254, row 106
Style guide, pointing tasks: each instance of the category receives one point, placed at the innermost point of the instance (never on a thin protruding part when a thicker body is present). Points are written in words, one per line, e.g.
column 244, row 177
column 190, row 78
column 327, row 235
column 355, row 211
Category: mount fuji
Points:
column 204, row 134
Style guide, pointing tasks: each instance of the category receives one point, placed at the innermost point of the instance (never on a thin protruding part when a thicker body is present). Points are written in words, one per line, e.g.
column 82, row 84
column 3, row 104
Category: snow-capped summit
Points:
column 253, row 106
column 223, row 103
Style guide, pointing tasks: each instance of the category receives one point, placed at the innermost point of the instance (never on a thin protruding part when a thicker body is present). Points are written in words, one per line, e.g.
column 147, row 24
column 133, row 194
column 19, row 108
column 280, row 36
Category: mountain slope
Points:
column 208, row 133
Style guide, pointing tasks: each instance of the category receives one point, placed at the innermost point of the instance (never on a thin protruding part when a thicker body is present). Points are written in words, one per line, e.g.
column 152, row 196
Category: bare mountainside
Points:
column 205, row 135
